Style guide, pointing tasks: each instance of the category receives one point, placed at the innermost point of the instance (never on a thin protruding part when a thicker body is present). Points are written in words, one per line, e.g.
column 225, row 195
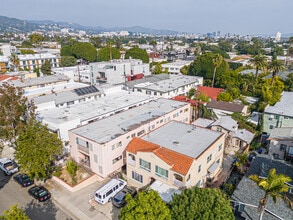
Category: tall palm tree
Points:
column 274, row 185
column 217, row 60
column 259, row 62
column 15, row 61
column 276, row 66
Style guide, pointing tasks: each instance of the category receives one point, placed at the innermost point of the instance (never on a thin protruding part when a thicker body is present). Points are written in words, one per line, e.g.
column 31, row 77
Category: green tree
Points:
column 203, row 66
column 274, row 186
column 26, row 44
column 36, row 39
column 270, row 94
column 46, row 67
column 84, row 51
column 14, row 213
column 259, row 62
column 184, row 70
column 71, row 168
column 201, row 203
column 276, row 66
column 15, row 61
column 104, row 53
column 96, row 41
column 146, row 206
column 225, row 96
column 217, row 60
column 137, row 53
column 242, row 159
column 36, row 148
column 158, row 69
column 15, row 111
column 68, row 61
column 66, row 50
column 289, row 83
column 142, row 41
column 27, row 51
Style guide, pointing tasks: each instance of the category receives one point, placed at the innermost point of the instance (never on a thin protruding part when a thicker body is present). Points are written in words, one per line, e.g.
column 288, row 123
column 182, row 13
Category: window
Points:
column 114, row 146
column 220, row 147
column 161, row 172
column 137, row 177
column 271, row 126
column 188, row 178
column 91, row 147
column 219, row 129
column 185, row 110
column 283, row 147
column 198, row 184
column 95, row 158
column 145, row 165
column 140, row 132
column 218, row 161
column 209, row 158
column 199, row 168
column 133, row 135
column 286, row 117
column 117, row 159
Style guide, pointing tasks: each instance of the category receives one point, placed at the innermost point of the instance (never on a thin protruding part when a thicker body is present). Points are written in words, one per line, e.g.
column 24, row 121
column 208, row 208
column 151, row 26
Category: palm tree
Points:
column 259, row 62
column 274, row 185
column 276, row 66
column 217, row 60
column 15, row 61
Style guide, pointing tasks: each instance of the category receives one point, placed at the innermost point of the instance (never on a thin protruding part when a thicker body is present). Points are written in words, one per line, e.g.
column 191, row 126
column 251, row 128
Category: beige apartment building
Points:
column 100, row 145
column 177, row 154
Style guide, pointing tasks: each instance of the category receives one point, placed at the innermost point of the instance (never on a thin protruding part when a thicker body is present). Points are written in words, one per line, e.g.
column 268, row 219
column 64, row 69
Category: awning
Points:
column 213, row 167
column 165, row 191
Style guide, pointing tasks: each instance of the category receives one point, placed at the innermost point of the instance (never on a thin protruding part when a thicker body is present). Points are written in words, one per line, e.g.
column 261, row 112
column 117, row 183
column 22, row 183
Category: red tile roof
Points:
column 4, row 78
column 179, row 163
column 183, row 98
column 210, row 91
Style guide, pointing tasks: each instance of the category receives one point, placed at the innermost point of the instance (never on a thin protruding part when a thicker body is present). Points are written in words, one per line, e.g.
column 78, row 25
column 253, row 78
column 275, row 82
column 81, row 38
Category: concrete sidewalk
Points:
column 79, row 203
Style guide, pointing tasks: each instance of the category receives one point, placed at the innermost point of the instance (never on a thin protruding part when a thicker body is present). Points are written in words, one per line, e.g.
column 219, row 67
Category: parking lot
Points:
column 79, row 203
column 12, row 193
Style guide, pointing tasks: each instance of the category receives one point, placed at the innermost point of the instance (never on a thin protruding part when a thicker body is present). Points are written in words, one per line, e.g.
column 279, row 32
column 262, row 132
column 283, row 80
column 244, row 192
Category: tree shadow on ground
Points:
column 3, row 179
column 115, row 213
column 45, row 211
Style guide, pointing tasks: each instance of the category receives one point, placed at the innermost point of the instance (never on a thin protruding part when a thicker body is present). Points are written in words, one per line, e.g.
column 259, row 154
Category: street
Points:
column 12, row 193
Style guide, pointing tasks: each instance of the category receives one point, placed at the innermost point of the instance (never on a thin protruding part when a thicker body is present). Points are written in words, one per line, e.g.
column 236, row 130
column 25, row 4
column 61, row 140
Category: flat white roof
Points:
column 168, row 83
column 283, row 107
column 183, row 138
column 111, row 127
column 92, row 108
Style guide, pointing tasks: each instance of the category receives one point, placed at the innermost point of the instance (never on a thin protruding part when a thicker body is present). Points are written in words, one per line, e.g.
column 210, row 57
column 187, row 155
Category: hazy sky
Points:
column 196, row 16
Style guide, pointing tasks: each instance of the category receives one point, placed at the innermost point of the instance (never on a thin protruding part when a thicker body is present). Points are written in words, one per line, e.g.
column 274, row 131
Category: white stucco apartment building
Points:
column 101, row 145
column 177, row 154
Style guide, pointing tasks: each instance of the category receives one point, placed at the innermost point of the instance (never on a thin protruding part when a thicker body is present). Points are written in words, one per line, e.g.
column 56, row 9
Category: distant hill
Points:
column 16, row 25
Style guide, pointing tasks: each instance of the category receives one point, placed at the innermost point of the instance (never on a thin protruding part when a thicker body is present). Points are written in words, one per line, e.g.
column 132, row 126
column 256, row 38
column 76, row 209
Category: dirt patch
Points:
column 80, row 176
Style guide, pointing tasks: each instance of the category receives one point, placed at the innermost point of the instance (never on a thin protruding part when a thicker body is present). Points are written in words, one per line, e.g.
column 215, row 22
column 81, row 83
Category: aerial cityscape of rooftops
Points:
column 142, row 123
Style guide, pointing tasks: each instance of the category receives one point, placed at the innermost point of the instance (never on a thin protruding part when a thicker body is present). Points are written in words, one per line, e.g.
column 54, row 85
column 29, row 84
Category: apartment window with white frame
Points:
column 161, row 172
column 220, row 147
column 137, row 177
column 117, row 159
column 95, row 158
column 199, row 168
column 145, row 165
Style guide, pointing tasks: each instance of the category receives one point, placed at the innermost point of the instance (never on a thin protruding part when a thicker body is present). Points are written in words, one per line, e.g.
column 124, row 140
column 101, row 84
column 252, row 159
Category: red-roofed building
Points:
column 209, row 91
column 194, row 105
column 5, row 78
column 177, row 166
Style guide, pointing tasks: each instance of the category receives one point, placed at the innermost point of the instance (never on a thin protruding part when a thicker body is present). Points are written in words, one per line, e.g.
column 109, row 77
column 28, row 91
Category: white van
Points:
column 109, row 190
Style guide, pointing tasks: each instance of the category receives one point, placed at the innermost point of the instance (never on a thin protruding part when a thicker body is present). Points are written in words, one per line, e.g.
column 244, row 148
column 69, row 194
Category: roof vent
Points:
column 175, row 142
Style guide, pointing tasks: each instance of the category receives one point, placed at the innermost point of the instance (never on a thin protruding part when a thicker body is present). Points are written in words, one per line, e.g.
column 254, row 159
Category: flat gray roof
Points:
column 164, row 82
column 62, row 97
column 183, row 138
column 282, row 133
column 38, row 81
column 111, row 127
column 283, row 107
column 92, row 108
column 226, row 122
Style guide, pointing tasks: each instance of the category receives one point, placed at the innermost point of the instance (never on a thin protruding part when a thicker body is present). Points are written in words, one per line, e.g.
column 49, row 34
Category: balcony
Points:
column 131, row 162
column 84, row 162
column 177, row 183
column 83, row 149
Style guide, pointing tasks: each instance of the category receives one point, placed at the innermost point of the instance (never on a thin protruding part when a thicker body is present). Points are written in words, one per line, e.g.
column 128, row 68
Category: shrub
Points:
column 71, row 168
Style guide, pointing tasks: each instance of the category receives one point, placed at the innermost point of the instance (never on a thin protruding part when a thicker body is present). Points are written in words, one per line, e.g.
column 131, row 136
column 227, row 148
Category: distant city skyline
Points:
column 193, row 16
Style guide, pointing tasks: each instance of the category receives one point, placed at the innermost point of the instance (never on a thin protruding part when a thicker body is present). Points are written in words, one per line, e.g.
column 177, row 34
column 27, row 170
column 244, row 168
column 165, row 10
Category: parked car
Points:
column 119, row 198
column 23, row 179
column 40, row 193
column 8, row 166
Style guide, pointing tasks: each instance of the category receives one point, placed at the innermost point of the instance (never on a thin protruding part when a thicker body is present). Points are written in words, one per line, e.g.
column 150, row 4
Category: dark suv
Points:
column 119, row 198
